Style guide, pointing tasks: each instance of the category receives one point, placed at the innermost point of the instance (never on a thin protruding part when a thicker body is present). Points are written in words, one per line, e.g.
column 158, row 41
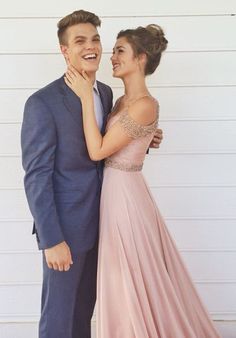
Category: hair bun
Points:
column 158, row 33
column 149, row 40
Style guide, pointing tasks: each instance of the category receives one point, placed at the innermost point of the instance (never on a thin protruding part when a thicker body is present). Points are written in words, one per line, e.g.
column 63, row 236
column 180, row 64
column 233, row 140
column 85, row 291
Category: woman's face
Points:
column 123, row 60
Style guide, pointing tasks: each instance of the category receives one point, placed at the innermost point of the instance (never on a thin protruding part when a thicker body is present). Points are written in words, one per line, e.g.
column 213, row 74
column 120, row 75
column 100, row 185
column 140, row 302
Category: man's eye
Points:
column 79, row 41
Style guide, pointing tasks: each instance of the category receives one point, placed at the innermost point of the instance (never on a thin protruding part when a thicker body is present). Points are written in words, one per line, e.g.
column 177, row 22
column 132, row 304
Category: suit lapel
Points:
column 103, row 95
column 72, row 102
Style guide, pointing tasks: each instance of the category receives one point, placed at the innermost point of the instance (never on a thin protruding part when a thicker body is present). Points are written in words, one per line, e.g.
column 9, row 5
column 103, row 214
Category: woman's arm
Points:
column 100, row 147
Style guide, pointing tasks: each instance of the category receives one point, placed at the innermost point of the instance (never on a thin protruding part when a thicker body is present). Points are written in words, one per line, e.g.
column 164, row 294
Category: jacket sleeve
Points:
column 38, row 142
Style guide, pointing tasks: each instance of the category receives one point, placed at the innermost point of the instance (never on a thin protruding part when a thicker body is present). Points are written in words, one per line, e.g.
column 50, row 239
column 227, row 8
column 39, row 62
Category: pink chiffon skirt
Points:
column 143, row 288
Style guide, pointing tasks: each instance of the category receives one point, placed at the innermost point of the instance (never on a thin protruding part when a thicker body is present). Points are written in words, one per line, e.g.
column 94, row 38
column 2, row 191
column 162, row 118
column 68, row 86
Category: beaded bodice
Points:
column 131, row 157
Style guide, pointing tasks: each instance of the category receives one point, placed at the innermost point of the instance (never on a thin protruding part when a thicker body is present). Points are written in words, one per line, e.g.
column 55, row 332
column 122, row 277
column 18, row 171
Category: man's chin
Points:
column 90, row 68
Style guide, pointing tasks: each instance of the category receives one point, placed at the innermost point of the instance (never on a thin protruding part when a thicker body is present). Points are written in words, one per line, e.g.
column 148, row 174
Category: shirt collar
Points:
column 95, row 86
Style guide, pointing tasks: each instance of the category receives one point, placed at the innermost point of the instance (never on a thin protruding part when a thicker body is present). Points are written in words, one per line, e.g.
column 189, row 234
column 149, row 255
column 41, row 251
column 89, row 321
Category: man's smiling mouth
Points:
column 92, row 56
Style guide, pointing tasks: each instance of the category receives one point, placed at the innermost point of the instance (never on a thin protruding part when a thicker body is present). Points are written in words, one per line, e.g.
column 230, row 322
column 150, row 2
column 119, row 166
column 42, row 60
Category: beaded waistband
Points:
column 123, row 166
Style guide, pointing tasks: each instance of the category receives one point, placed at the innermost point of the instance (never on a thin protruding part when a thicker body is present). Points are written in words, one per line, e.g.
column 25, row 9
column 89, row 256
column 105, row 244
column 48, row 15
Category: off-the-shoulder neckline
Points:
column 124, row 110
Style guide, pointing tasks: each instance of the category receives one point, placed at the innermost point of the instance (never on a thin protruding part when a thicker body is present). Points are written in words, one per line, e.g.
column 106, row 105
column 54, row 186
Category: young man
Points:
column 63, row 185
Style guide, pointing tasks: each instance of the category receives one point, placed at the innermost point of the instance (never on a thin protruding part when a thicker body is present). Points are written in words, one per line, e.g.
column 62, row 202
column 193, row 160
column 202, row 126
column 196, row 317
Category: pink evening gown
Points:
column 143, row 287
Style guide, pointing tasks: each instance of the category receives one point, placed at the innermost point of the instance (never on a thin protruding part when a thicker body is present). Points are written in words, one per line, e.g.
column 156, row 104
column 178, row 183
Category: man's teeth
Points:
column 90, row 56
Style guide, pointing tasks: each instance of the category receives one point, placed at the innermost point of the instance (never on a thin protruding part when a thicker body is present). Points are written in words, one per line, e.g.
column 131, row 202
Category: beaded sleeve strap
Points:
column 133, row 128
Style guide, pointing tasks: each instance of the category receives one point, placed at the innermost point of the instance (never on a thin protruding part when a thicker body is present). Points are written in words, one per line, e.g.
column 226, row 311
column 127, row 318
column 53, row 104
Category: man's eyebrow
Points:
column 85, row 37
column 79, row 37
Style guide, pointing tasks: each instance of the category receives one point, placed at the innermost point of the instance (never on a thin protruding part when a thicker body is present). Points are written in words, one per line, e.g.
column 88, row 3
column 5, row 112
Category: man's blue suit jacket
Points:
column 62, row 183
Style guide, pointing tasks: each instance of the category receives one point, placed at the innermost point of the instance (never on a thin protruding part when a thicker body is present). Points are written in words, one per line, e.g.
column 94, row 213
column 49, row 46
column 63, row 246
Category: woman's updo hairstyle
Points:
column 148, row 40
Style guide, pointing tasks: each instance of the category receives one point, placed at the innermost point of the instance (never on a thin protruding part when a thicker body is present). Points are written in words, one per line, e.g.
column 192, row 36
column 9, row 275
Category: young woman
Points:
column 143, row 288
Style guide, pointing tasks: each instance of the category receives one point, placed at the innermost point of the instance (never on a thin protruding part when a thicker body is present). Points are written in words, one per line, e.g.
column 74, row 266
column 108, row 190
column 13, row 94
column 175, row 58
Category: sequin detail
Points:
column 123, row 166
column 133, row 128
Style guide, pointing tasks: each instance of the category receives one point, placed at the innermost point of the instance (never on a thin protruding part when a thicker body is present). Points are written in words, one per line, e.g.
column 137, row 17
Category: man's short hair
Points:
column 75, row 18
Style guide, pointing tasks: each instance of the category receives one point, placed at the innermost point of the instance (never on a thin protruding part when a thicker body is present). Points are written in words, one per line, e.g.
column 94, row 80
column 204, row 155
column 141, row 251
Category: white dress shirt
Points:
column 98, row 106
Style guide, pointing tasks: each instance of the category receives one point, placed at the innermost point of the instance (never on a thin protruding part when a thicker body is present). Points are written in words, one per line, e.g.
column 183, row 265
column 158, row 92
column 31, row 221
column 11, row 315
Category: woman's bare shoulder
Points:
column 144, row 111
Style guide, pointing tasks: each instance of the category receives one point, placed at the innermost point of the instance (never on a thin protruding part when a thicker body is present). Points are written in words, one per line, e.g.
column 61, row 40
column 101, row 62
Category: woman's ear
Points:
column 142, row 60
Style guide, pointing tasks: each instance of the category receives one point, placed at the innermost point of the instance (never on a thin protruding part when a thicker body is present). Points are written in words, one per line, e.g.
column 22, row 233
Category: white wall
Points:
column 192, row 176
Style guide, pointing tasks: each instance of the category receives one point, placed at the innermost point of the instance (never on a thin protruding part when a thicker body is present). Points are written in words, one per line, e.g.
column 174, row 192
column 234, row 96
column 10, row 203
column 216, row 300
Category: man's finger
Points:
column 157, row 137
column 55, row 266
column 66, row 267
column 61, row 267
column 50, row 265
column 154, row 144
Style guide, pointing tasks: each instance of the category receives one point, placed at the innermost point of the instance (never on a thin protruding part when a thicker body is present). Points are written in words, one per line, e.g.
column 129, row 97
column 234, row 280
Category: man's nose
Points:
column 89, row 45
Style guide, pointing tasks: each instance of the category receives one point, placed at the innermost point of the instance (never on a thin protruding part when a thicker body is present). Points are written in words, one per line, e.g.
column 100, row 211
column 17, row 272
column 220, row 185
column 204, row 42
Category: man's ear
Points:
column 64, row 51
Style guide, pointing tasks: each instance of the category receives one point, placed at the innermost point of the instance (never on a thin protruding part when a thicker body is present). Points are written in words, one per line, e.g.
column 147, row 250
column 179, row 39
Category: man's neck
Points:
column 93, row 78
